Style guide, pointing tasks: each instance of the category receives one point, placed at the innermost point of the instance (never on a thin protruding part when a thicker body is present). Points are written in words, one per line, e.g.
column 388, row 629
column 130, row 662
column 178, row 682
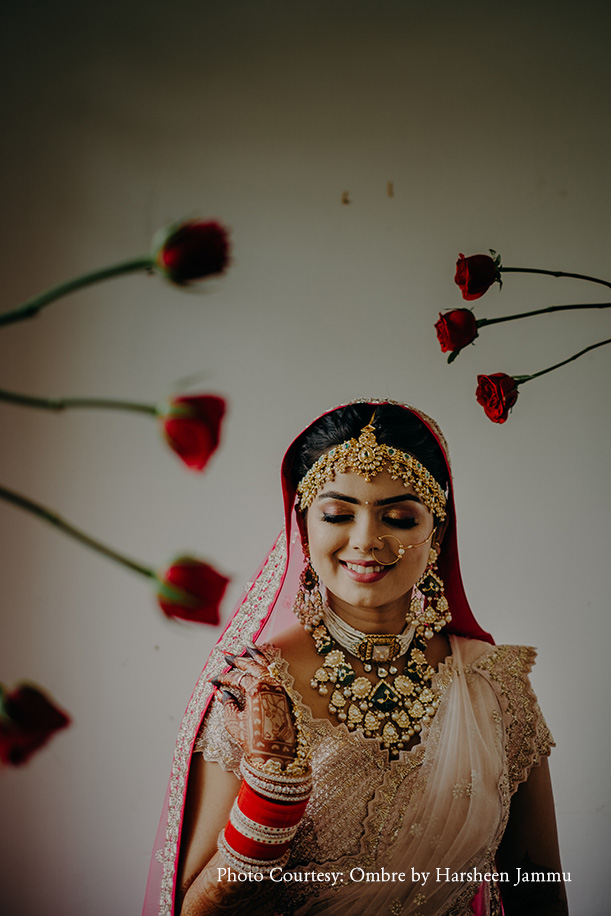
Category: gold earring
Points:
column 308, row 603
column 429, row 609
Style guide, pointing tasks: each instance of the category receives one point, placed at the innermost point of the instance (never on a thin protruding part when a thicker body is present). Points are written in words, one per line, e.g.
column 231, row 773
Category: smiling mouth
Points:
column 363, row 570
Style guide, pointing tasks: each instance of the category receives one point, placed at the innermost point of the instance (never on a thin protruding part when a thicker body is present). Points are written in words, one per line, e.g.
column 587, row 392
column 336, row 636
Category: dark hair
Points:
column 393, row 426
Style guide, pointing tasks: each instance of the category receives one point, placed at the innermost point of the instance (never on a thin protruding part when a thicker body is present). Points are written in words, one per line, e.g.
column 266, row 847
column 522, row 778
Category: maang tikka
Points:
column 365, row 457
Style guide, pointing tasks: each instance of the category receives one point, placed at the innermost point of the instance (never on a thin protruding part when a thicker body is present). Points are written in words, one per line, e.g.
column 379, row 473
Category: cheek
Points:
column 324, row 540
column 415, row 566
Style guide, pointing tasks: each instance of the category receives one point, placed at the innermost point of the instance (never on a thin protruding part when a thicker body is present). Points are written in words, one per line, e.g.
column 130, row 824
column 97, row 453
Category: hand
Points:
column 258, row 712
column 211, row 894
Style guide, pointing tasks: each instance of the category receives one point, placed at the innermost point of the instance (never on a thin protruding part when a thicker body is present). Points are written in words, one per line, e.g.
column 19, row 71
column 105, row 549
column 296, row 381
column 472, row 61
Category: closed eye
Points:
column 404, row 523
column 336, row 519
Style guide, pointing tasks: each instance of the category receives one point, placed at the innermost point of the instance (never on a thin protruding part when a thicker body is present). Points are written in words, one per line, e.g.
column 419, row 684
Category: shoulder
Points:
column 507, row 669
column 500, row 661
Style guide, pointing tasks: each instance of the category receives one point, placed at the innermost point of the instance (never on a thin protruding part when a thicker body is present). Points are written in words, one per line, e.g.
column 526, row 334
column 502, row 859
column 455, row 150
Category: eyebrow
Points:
column 399, row 498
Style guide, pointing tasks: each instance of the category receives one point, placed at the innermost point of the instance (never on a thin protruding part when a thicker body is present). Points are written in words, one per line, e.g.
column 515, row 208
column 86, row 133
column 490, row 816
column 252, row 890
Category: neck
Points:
column 388, row 618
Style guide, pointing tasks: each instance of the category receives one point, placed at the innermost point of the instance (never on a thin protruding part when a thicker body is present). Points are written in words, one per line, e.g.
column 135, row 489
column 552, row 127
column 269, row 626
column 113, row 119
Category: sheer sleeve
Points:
column 527, row 736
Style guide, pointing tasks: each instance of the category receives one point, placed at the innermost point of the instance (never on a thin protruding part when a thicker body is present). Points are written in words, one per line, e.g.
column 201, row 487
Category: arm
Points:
column 258, row 715
column 530, row 843
column 210, row 795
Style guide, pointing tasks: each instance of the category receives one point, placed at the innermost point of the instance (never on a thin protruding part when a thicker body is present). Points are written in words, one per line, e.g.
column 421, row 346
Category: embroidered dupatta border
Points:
column 243, row 627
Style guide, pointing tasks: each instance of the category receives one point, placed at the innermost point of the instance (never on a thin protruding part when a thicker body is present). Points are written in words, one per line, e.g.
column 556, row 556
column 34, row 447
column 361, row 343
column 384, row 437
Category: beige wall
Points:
column 492, row 122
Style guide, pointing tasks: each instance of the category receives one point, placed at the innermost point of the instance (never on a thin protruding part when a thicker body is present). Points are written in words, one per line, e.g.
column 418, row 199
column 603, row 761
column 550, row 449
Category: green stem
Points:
column 53, row 519
column 520, row 379
column 31, row 308
column 554, row 273
column 57, row 404
column 484, row 322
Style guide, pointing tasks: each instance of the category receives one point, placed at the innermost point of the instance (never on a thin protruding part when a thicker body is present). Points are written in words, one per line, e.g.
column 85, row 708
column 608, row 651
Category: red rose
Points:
column 476, row 274
column 27, row 721
column 192, row 427
column 497, row 394
column 193, row 250
column 456, row 329
column 192, row 590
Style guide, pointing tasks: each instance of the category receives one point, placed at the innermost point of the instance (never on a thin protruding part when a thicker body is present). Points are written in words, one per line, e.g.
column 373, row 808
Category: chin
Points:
column 368, row 600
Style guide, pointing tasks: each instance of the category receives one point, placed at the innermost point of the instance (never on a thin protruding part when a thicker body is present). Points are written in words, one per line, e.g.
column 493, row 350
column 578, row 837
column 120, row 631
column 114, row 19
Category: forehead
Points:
column 382, row 486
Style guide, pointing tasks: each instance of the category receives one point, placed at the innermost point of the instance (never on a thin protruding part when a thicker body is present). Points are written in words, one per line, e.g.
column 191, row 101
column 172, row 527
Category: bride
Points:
column 356, row 743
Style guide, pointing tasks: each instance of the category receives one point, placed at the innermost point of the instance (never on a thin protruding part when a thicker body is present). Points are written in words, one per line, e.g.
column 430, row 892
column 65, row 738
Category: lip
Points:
column 365, row 571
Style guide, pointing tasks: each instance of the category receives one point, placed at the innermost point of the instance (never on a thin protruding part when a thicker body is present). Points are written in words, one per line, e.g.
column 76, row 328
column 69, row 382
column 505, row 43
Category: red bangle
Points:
column 244, row 846
column 260, row 830
column 270, row 813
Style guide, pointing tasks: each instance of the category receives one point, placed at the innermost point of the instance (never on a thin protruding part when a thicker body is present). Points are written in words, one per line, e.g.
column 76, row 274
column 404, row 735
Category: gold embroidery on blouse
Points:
column 527, row 735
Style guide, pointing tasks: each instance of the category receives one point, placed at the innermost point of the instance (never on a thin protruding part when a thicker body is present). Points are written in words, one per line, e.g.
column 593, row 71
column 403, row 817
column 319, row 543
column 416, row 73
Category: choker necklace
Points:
column 369, row 647
column 395, row 708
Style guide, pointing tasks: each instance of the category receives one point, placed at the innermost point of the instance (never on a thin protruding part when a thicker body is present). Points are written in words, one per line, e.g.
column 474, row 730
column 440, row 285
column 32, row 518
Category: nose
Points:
column 364, row 534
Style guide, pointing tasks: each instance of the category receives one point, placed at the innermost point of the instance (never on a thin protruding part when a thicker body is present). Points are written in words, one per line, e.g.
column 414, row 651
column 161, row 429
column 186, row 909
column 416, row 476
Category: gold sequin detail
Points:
column 528, row 737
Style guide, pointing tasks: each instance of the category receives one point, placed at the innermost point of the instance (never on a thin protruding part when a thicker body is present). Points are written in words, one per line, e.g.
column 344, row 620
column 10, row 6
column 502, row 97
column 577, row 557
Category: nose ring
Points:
column 400, row 550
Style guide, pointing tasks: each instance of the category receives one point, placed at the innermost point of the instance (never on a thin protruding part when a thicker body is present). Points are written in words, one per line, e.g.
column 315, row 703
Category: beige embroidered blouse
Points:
column 439, row 810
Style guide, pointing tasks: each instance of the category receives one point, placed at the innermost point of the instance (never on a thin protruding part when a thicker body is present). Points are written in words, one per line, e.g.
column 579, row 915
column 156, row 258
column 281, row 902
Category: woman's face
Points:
column 344, row 523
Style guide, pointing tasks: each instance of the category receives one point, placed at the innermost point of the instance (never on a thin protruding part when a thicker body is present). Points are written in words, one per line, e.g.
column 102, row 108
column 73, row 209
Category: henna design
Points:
column 271, row 732
column 276, row 719
column 258, row 712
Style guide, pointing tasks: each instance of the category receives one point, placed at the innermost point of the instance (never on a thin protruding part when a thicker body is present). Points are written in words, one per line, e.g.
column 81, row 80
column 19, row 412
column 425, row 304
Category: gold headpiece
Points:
column 365, row 457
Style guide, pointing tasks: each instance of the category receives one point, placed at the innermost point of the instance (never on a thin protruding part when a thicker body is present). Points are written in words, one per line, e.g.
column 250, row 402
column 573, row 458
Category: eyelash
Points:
column 405, row 523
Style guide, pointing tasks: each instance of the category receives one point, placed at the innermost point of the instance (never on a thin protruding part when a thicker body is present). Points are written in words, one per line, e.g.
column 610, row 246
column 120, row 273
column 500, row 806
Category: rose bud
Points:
column 191, row 590
column 497, row 394
column 192, row 427
column 27, row 721
column 192, row 250
column 456, row 329
column 476, row 274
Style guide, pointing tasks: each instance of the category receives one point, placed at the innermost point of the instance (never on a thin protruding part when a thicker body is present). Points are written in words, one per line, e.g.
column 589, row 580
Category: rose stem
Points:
column 57, row 404
column 484, row 322
column 42, row 512
column 31, row 308
column 554, row 273
column 520, row 379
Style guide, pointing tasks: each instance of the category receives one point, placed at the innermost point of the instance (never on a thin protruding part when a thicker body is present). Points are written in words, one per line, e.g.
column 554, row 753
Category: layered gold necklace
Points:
column 399, row 704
